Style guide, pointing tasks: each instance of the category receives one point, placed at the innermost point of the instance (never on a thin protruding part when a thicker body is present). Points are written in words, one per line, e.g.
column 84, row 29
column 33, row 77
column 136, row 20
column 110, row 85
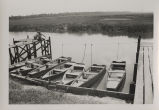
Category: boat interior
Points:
column 116, row 74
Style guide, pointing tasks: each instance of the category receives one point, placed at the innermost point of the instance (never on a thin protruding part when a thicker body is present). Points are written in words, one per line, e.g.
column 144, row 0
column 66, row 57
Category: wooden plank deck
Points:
column 144, row 81
column 139, row 89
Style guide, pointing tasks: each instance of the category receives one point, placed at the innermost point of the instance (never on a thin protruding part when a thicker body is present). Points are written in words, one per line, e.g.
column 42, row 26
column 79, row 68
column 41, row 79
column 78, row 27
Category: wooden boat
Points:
column 42, row 70
column 90, row 76
column 72, row 74
column 16, row 66
column 41, row 60
column 59, row 70
column 27, row 66
column 116, row 76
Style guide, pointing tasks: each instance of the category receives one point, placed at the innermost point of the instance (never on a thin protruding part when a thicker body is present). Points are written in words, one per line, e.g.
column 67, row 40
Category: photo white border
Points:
column 4, row 33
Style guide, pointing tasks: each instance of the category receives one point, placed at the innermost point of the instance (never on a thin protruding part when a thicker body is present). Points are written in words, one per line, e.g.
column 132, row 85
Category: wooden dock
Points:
column 22, row 50
column 141, row 88
column 144, row 77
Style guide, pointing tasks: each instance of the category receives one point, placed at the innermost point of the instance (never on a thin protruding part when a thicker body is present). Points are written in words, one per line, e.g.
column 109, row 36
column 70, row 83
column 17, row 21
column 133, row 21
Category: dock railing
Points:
column 29, row 48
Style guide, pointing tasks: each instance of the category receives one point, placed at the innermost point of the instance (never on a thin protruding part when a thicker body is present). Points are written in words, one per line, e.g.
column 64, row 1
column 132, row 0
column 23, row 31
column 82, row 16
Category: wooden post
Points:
column 50, row 47
column 137, row 57
column 27, row 36
column 135, row 72
column 10, row 54
column 13, row 41
column 138, row 45
column 139, row 40
column 48, row 50
column 17, row 54
column 34, row 49
column 132, row 88
column 28, row 51
column 41, row 47
column 45, row 47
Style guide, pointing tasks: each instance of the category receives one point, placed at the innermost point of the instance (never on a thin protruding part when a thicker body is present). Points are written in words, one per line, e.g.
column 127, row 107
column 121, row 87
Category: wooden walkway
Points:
column 144, row 79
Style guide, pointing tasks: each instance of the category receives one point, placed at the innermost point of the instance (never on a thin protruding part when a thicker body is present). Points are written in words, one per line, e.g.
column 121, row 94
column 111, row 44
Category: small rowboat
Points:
column 116, row 76
column 42, row 70
column 89, row 77
column 16, row 66
column 73, row 73
column 59, row 70
column 27, row 66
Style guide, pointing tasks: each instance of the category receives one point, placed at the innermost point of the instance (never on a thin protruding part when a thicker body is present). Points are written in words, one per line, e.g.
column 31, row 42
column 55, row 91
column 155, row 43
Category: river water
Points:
column 105, row 49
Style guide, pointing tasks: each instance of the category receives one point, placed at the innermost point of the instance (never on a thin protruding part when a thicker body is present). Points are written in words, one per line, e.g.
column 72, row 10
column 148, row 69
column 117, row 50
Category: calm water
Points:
column 104, row 49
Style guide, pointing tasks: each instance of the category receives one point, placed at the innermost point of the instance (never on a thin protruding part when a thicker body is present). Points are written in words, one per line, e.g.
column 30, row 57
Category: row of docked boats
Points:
column 66, row 72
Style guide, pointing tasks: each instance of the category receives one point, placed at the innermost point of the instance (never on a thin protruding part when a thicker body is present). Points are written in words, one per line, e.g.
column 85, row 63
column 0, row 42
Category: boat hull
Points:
column 22, row 72
column 93, row 80
column 14, row 67
column 43, row 72
column 39, row 74
column 22, row 64
column 54, row 76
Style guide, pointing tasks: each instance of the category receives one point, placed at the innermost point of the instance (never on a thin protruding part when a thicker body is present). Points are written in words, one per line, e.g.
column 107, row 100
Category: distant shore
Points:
column 112, row 24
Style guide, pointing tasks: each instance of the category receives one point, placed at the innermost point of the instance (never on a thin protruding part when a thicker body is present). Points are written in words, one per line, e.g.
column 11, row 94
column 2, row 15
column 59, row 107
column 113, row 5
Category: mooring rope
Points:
column 84, row 53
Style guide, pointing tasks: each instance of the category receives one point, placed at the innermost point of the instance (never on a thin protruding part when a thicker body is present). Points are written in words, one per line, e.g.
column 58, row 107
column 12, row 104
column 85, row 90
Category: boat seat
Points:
column 117, row 75
column 114, row 79
column 112, row 84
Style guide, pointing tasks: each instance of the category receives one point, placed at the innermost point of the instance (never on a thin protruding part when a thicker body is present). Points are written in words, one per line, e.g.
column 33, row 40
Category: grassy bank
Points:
column 112, row 24
column 27, row 94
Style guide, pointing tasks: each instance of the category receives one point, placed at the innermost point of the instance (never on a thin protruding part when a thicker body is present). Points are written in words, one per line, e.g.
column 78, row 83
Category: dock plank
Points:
column 147, row 78
column 151, row 65
column 139, row 99
column 146, row 44
column 150, row 50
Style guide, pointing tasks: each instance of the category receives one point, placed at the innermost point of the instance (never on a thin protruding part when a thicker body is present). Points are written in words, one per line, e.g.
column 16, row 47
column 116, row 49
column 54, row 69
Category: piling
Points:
column 133, row 83
column 50, row 47
column 132, row 88
column 34, row 49
column 135, row 72
column 137, row 58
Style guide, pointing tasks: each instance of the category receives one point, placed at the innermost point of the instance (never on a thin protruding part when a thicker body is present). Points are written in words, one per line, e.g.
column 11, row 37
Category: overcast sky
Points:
column 27, row 7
